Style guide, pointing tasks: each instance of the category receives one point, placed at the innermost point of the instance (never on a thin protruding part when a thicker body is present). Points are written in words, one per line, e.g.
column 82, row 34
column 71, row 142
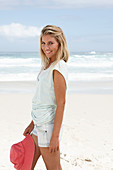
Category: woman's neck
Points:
column 51, row 60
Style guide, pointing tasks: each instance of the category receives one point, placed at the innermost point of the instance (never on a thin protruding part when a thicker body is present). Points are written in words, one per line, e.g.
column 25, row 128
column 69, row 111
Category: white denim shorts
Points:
column 44, row 133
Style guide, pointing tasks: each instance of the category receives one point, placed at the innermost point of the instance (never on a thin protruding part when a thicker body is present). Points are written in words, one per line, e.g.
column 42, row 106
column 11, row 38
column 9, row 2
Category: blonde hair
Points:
column 58, row 34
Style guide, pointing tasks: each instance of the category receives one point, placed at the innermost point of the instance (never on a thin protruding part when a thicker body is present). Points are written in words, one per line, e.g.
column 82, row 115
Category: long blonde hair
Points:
column 57, row 33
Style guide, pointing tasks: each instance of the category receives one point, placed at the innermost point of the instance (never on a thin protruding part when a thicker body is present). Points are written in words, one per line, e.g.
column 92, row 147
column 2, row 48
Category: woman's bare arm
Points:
column 60, row 93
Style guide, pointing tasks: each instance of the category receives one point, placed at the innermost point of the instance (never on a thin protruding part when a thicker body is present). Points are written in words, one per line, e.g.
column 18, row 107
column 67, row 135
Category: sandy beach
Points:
column 87, row 140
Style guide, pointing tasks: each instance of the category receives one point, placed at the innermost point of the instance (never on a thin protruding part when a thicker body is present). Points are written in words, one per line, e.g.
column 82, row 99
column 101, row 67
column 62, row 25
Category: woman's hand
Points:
column 54, row 144
column 29, row 129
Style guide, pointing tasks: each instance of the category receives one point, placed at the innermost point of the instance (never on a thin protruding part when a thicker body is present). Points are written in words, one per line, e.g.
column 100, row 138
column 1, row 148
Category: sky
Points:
column 87, row 24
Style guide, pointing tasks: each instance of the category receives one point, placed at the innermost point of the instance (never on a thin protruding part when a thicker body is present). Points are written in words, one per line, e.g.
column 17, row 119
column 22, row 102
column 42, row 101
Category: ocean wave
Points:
column 18, row 60
column 32, row 65
column 85, row 66
column 92, row 52
column 89, row 77
column 91, row 65
column 18, row 77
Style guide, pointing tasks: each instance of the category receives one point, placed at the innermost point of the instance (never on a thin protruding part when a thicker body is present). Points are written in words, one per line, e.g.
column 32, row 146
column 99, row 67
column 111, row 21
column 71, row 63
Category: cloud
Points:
column 85, row 3
column 4, row 4
column 16, row 30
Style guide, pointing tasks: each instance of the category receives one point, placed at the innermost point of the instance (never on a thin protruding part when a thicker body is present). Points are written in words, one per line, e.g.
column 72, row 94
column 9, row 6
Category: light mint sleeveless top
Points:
column 44, row 101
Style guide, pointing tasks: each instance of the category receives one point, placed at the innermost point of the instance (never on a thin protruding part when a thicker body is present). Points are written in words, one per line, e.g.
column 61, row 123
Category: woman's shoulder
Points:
column 62, row 61
column 61, row 64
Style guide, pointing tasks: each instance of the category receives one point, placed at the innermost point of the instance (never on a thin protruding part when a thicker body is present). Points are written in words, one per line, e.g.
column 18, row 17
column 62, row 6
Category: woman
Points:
column 48, row 103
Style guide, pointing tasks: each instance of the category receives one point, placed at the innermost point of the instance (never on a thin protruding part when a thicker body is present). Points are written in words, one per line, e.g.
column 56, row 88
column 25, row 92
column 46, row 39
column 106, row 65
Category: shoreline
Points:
column 78, row 87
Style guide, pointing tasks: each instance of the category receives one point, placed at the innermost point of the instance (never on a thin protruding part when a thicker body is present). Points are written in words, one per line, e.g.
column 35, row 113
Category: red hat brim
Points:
column 28, row 147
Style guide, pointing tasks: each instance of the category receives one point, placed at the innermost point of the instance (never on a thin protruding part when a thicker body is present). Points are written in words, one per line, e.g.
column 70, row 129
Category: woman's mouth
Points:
column 48, row 52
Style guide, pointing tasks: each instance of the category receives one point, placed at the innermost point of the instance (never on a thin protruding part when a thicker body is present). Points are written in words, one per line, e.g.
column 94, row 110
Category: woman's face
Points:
column 49, row 46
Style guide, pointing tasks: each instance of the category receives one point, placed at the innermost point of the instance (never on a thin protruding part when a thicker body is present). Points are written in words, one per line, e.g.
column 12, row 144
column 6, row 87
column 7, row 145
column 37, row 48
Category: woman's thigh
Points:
column 35, row 138
column 52, row 160
column 37, row 152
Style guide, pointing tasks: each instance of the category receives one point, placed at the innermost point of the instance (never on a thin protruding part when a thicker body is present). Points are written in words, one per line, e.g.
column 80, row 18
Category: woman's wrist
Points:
column 32, row 123
column 55, row 135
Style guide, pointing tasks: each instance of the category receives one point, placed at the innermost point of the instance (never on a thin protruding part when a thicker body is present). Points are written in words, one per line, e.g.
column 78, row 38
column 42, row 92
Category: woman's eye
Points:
column 43, row 42
column 50, row 42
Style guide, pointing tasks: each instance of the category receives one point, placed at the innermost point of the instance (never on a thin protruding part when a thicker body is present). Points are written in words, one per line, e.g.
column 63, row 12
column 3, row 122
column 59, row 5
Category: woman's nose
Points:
column 46, row 46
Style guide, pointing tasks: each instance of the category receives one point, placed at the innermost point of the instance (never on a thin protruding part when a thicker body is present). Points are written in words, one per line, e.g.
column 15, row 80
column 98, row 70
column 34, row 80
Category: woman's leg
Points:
column 37, row 152
column 52, row 160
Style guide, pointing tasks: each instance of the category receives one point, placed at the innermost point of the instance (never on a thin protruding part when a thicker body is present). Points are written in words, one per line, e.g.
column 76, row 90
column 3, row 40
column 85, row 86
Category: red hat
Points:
column 22, row 153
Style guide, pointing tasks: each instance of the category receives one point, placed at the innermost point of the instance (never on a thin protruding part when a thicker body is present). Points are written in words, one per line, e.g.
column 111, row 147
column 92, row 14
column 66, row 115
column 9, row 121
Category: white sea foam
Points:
column 19, row 64
column 71, row 77
column 93, row 64
column 18, row 77
column 17, row 60
column 90, row 77
column 81, row 67
column 92, row 52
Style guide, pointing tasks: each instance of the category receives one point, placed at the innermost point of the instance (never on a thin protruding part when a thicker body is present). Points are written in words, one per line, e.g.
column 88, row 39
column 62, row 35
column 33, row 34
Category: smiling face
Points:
column 49, row 47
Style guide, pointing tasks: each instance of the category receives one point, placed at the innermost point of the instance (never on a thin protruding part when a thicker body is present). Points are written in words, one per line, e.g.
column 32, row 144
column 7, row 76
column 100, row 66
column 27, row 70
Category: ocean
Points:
column 82, row 67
